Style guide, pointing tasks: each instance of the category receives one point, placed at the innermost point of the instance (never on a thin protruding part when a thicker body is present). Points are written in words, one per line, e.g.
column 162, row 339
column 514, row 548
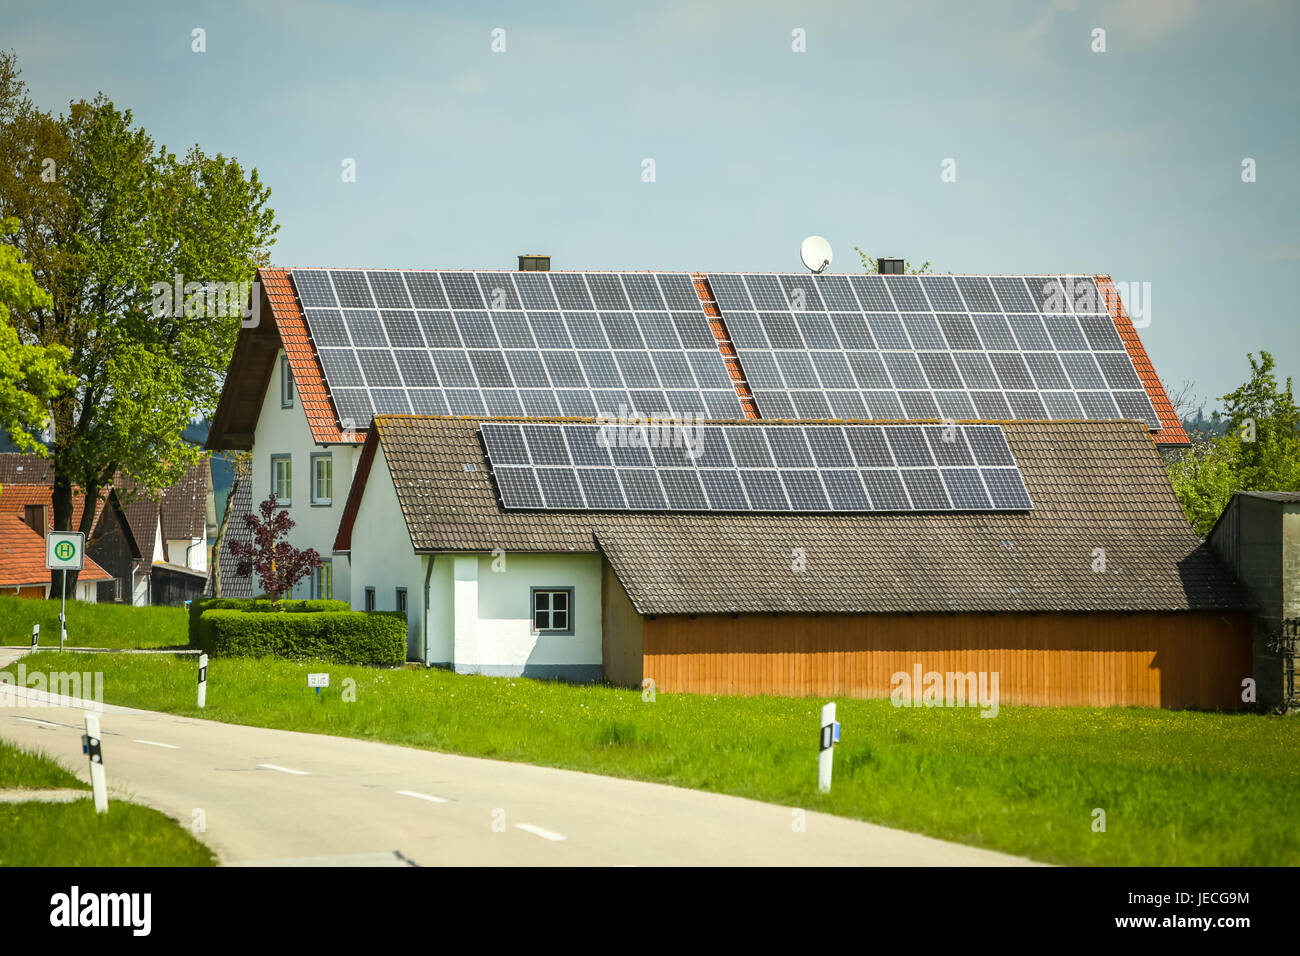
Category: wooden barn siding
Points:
column 1195, row 659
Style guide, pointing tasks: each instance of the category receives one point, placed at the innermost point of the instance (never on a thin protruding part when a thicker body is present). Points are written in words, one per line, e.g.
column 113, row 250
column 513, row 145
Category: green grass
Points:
column 1177, row 787
column 33, row 771
column 94, row 625
column 73, row 834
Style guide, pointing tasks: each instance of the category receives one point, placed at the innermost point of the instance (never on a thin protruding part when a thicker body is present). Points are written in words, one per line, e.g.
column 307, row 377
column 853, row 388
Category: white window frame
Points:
column 287, row 461
column 399, row 600
column 286, row 382
column 317, row 499
column 318, row 580
column 370, row 599
column 550, row 610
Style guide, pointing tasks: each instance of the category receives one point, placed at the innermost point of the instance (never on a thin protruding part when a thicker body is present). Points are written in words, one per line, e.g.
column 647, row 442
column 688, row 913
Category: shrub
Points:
column 260, row 604
column 342, row 637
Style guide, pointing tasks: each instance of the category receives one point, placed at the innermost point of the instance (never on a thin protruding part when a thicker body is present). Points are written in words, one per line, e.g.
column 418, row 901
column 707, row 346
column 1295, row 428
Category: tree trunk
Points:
column 62, row 497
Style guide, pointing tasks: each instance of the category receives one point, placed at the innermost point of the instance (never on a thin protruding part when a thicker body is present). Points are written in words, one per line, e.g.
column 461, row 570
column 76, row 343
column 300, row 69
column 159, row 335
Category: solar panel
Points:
column 983, row 344
column 503, row 343
column 764, row 468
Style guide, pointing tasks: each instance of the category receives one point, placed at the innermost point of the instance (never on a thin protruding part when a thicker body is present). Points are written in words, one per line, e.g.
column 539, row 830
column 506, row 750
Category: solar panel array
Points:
column 889, row 347
column 767, row 468
column 528, row 344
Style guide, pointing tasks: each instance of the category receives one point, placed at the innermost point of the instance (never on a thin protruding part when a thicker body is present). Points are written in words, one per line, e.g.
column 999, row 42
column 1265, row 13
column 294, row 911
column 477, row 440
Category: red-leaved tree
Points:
column 278, row 564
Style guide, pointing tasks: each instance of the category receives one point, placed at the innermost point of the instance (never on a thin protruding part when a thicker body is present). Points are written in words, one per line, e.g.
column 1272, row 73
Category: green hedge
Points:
column 258, row 605
column 342, row 637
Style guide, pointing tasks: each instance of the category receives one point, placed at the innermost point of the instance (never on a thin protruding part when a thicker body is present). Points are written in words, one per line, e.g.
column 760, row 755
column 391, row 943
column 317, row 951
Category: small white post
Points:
column 827, row 753
column 90, row 743
column 63, row 612
column 36, row 635
column 203, row 681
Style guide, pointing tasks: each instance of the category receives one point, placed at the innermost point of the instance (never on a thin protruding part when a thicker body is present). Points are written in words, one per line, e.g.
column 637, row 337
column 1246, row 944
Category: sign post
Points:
column 65, row 551
column 90, row 745
column 830, row 735
column 203, row 681
column 36, row 635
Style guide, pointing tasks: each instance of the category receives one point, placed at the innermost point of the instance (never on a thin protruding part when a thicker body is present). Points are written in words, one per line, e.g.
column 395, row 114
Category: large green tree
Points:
column 105, row 218
column 1258, row 451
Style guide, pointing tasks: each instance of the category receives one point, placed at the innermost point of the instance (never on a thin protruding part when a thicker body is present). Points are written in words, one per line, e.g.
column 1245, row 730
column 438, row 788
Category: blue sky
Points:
column 1126, row 162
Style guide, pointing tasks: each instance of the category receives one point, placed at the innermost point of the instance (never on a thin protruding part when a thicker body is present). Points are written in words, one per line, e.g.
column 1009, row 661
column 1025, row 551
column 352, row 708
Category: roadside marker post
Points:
column 203, row 681
column 830, row 735
column 64, row 551
column 90, row 746
column 318, row 681
column 36, row 635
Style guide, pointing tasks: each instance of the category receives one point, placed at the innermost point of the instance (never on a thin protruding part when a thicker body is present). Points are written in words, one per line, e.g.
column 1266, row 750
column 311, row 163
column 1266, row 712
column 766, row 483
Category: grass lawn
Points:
column 73, row 834
column 94, row 625
column 1177, row 787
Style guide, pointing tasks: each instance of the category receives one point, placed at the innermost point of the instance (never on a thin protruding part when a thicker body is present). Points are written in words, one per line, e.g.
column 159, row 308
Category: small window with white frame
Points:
column 552, row 610
column 322, row 479
column 370, row 599
column 282, row 479
column 286, row 382
column 401, row 600
column 322, row 582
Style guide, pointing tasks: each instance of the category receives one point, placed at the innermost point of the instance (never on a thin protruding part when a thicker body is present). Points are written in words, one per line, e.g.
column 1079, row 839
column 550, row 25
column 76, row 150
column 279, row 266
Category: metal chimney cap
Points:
column 534, row 262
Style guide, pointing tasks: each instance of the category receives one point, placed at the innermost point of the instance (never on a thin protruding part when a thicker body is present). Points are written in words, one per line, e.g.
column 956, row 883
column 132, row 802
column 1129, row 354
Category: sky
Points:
column 713, row 135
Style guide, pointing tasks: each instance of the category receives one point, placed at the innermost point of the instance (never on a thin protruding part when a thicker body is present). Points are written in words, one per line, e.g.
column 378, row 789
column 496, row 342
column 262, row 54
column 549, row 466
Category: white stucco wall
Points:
column 480, row 615
column 284, row 431
column 177, row 548
column 382, row 556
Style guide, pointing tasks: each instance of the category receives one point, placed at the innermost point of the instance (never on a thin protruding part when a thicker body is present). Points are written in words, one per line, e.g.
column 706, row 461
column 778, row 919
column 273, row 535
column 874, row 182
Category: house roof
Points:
column 1094, row 485
column 240, row 504
column 19, row 468
column 1286, row 497
column 283, row 325
column 22, row 556
column 15, row 497
column 183, row 507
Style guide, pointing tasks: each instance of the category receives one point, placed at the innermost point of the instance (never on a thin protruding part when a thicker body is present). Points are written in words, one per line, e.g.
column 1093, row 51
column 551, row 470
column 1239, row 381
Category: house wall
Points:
column 195, row 548
column 1191, row 659
column 623, row 644
column 381, row 551
column 480, row 614
column 110, row 550
column 284, row 431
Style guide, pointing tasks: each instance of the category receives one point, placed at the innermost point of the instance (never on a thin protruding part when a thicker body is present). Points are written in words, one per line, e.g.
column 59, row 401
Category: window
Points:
column 322, row 479
column 282, row 479
column 322, row 582
column 286, row 383
column 370, row 599
column 551, row 610
column 401, row 600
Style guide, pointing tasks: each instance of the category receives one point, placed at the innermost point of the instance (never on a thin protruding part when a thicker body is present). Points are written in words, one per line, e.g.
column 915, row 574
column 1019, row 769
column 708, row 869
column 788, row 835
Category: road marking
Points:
column 271, row 766
column 43, row 723
column 541, row 832
column 422, row 796
column 154, row 743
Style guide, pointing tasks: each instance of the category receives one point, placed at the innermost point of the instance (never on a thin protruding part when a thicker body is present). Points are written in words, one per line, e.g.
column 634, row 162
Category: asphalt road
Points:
column 283, row 798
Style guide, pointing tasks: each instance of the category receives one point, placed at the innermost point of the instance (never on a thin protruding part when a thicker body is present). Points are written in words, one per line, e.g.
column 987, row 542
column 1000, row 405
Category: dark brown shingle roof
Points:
column 1093, row 484
column 183, row 509
column 240, row 504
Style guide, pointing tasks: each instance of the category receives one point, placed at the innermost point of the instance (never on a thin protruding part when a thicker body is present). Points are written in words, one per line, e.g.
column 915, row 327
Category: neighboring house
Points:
column 154, row 548
column 22, row 565
column 412, row 512
column 1258, row 537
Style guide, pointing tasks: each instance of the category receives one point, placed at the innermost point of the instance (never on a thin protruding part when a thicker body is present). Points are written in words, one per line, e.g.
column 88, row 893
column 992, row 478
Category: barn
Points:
column 741, row 483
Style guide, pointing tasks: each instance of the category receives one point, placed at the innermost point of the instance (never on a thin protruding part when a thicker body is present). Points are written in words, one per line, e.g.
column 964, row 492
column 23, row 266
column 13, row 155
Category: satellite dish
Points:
column 815, row 253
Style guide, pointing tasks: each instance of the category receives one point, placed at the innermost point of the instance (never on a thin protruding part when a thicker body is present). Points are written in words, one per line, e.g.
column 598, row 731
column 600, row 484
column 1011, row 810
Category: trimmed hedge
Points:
column 340, row 637
column 258, row 605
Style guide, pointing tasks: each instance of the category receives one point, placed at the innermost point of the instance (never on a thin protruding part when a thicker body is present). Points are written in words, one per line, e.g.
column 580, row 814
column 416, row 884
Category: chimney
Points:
column 34, row 518
column 889, row 267
column 534, row 263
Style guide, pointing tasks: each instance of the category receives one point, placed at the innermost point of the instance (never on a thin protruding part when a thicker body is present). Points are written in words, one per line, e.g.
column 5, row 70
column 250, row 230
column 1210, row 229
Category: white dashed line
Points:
column 154, row 743
column 422, row 796
column 271, row 766
column 541, row 832
column 43, row 723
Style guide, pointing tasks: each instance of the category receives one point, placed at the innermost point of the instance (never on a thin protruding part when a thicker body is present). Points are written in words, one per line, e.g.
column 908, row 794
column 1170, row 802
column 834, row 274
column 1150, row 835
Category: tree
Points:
column 279, row 565
column 1258, row 451
column 105, row 219
column 30, row 375
column 870, row 264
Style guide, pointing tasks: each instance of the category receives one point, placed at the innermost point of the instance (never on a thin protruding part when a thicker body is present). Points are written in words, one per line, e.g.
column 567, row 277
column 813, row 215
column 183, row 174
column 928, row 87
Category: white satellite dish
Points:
column 815, row 253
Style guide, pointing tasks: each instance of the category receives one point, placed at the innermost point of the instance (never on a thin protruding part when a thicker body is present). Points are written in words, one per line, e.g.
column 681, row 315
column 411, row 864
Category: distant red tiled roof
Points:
column 22, row 556
column 15, row 498
column 308, row 379
column 1171, row 427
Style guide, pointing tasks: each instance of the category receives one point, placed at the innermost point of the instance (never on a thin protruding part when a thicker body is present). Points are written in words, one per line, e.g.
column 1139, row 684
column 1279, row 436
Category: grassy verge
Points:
column 1178, row 788
column 73, row 834
column 94, row 625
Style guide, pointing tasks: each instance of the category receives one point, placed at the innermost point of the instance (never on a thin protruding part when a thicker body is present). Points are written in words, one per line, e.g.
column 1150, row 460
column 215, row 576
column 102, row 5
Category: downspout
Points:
column 424, row 618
